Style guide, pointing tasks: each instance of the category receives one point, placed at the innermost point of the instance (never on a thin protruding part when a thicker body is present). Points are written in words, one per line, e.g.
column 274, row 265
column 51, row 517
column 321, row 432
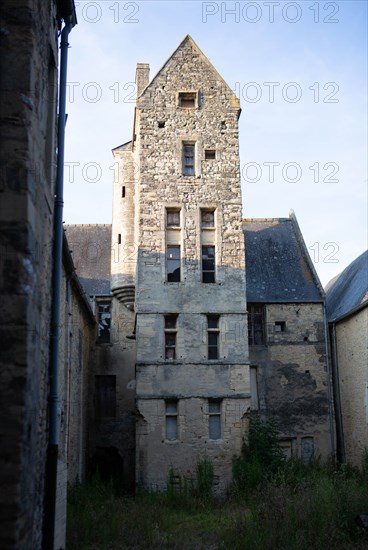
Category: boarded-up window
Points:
column 214, row 413
column 255, row 324
column 307, row 449
column 171, row 413
column 105, row 395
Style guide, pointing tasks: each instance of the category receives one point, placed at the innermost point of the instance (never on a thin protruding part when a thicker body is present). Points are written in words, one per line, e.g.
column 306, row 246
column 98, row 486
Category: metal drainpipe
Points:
column 329, row 380
column 54, row 413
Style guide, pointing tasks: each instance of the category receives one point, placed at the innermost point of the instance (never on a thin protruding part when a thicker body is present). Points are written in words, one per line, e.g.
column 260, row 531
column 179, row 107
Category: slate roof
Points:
column 278, row 266
column 90, row 246
column 349, row 289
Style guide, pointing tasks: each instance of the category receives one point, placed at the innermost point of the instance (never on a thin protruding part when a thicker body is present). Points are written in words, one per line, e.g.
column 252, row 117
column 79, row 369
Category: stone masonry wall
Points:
column 27, row 130
column 292, row 377
column 352, row 356
column 162, row 126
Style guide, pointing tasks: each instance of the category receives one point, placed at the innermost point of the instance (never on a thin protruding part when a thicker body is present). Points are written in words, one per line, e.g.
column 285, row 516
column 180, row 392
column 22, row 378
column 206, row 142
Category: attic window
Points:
column 210, row 154
column 187, row 100
column 280, row 326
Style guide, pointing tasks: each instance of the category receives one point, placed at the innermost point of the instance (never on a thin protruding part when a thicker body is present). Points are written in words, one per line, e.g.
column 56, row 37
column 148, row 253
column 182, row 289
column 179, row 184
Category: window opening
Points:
column 255, row 324
column 172, row 218
column 170, row 337
column 208, row 264
column 213, row 336
column 103, row 321
column 280, row 326
column 173, row 264
column 171, row 414
column 210, row 154
column 207, row 218
column 214, row 412
column 188, row 159
column 187, row 100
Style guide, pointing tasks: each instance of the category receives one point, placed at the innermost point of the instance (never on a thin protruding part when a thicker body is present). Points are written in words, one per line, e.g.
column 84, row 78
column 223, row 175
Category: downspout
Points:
column 329, row 380
column 53, row 405
column 341, row 457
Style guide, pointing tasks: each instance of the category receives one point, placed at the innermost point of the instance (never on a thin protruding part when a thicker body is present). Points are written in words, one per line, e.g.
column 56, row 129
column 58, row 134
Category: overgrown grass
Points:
column 274, row 505
column 300, row 508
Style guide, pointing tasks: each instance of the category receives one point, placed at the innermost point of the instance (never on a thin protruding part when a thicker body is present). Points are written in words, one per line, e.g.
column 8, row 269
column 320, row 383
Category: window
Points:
column 103, row 321
column 213, row 336
column 172, row 217
column 105, row 395
column 173, row 264
column 123, row 192
column 255, row 324
column 170, row 337
column 207, row 219
column 210, row 154
column 187, row 100
column 171, row 417
column 208, row 264
column 214, row 414
column 280, row 326
column 307, row 449
column 188, row 159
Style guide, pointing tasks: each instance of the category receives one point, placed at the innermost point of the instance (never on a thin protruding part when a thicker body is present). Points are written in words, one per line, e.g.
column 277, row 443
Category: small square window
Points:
column 210, row 154
column 280, row 326
column 187, row 100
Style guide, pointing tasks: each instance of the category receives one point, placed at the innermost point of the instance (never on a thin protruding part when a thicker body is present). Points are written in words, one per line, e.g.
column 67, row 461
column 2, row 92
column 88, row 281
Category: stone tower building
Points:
column 178, row 274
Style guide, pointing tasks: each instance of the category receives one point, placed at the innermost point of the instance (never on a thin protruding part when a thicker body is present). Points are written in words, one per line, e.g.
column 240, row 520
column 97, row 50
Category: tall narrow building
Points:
column 178, row 270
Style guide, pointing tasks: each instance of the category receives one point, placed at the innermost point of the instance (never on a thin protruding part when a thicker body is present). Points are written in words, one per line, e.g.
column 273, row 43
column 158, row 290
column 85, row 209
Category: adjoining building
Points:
column 172, row 381
column 290, row 374
column 347, row 311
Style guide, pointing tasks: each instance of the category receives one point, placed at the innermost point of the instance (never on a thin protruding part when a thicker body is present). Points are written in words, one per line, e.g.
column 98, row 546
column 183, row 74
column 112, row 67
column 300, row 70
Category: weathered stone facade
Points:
column 28, row 113
column 77, row 337
column 288, row 355
column 347, row 310
column 184, row 160
column 351, row 342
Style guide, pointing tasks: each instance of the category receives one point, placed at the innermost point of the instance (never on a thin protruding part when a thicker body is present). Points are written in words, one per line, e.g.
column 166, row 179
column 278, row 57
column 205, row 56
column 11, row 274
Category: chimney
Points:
column 142, row 77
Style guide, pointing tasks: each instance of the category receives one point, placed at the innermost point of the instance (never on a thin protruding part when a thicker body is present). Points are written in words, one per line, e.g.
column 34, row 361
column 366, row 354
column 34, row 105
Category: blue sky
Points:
column 299, row 69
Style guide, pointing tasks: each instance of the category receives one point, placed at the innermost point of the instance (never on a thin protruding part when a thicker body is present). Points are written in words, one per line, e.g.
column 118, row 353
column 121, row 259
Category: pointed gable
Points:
column 201, row 70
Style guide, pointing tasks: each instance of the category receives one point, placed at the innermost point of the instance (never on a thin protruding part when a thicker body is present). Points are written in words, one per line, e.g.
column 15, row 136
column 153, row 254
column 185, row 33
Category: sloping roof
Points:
column 278, row 266
column 90, row 246
column 349, row 289
column 188, row 41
